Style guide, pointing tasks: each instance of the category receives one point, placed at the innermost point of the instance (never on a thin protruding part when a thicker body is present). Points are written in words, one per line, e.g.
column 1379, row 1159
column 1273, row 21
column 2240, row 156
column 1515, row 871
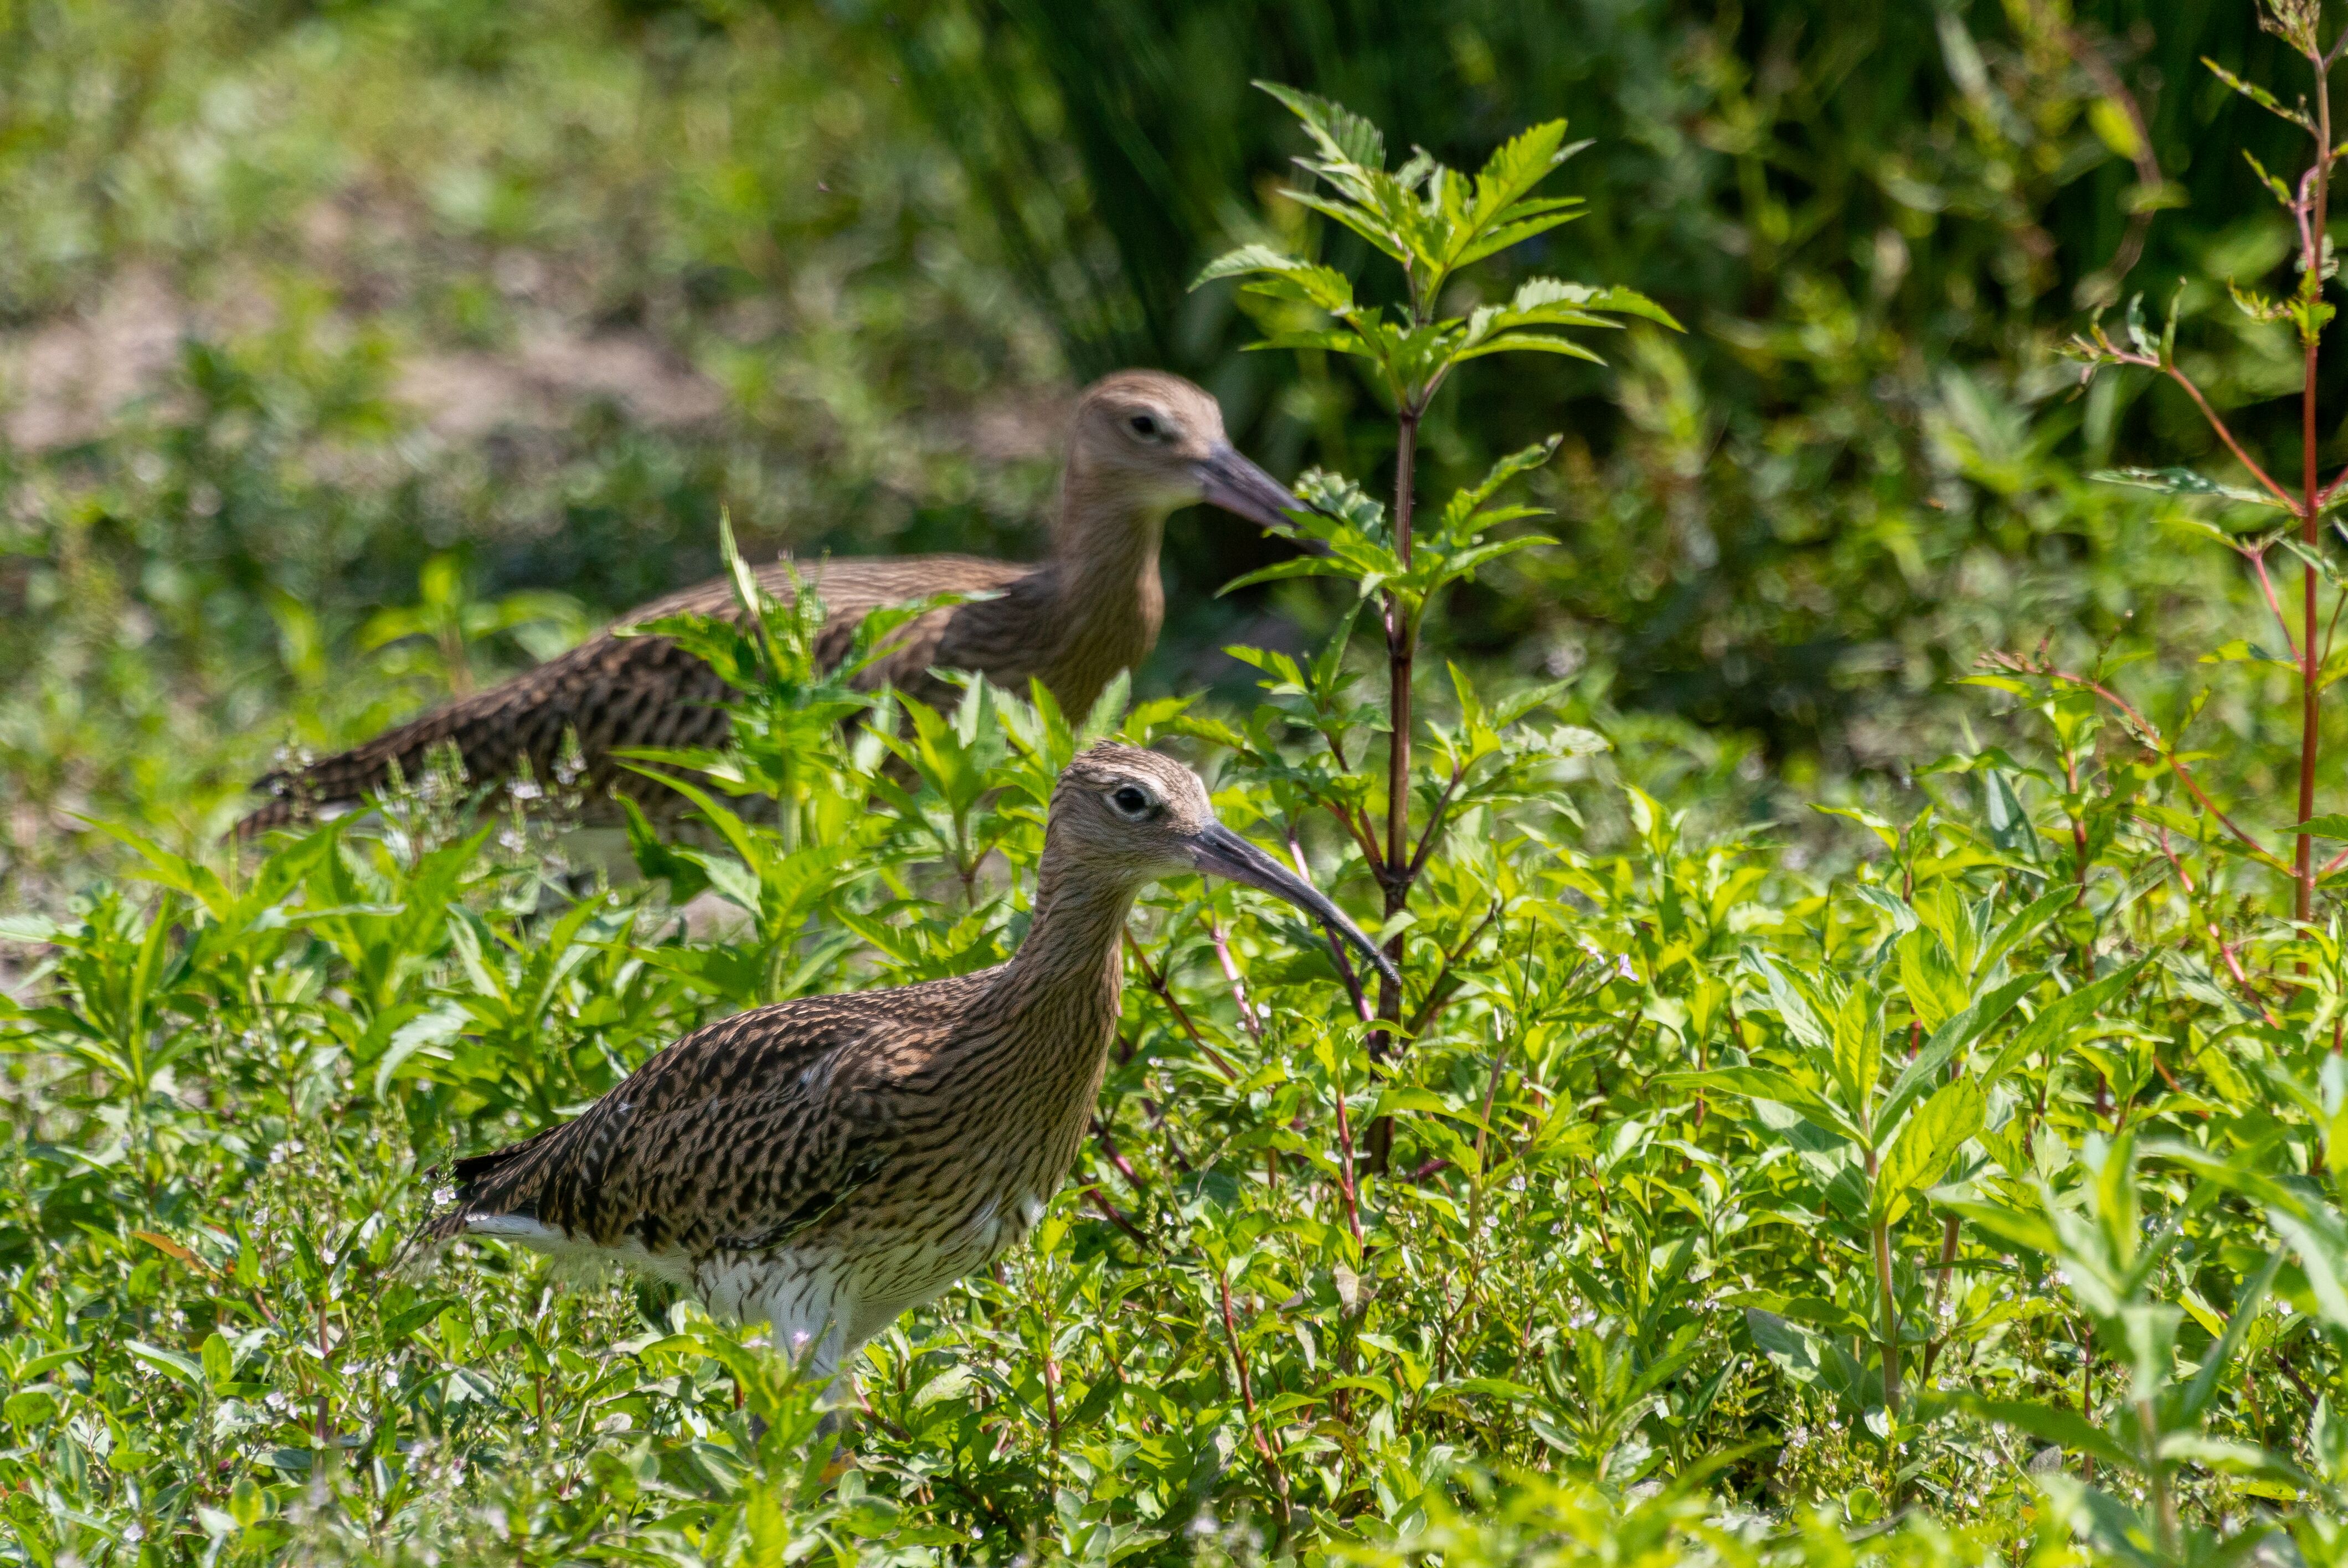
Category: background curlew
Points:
column 1143, row 445
column 826, row 1164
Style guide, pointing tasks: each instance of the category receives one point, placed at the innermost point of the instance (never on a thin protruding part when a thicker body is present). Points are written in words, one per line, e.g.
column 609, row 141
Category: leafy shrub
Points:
column 1974, row 1196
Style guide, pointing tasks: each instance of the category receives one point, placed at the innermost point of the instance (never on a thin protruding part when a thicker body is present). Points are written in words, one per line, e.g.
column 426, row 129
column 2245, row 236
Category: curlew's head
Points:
column 1146, row 442
column 1121, row 812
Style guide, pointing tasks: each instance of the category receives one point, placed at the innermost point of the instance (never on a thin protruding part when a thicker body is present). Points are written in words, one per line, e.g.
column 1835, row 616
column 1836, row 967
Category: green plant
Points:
column 2306, row 650
column 1433, row 222
column 1760, row 1191
column 451, row 621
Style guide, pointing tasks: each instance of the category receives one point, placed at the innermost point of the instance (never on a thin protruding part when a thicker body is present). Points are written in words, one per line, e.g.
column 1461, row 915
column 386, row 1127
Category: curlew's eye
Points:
column 1131, row 800
column 1144, row 426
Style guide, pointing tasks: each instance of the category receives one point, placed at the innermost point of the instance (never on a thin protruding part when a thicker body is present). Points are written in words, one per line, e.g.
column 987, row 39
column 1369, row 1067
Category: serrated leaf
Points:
column 1341, row 132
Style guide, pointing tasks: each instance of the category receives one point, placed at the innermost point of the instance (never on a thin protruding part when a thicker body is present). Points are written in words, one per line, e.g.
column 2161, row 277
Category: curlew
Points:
column 826, row 1163
column 1143, row 445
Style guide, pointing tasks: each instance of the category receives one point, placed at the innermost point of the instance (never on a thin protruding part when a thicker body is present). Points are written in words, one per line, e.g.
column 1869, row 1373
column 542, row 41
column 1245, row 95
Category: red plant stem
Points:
column 2290, row 502
column 1345, row 1192
column 1247, row 1399
column 1435, row 824
column 1437, row 995
column 1231, row 973
column 1116, row 1157
column 1116, row 1216
column 2266, row 585
column 2225, row 948
column 1164, row 993
column 2310, row 739
column 1364, row 835
column 2145, row 727
column 1336, row 948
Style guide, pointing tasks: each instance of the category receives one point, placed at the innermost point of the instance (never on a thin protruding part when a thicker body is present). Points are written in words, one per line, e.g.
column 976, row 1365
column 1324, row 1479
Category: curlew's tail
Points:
column 498, row 1186
column 489, row 733
column 608, row 693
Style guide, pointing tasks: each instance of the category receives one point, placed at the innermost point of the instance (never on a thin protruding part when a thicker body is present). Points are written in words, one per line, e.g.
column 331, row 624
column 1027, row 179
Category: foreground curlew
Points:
column 826, row 1164
column 1143, row 445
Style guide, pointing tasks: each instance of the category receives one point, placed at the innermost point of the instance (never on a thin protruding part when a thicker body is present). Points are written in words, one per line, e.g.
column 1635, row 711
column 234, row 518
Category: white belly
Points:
column 822, row 1301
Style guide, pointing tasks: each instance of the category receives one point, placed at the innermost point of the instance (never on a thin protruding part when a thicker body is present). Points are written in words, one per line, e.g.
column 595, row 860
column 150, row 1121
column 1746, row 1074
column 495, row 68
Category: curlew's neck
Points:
column 1108, row 603
column 1065, row 981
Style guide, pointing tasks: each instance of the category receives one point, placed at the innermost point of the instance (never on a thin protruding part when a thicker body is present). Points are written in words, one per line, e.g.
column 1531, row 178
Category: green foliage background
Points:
column 352, row 352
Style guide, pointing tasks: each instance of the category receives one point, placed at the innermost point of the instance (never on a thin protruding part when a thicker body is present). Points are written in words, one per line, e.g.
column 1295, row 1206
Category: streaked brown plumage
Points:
column 1143, row 445
column 829, row 1162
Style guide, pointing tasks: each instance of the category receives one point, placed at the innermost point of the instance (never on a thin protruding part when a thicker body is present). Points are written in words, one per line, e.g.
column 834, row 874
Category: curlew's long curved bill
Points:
column 1218, row 852
column 1238, row 485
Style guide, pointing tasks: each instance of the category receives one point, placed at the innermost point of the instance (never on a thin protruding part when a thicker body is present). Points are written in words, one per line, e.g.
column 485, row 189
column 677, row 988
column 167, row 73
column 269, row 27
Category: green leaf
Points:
column 1867, row 819
column 2260, row 96
column 2059, row 1022
column 1527, row 342
column 1761, row 1083
column 1535, row 295
column 2195, row 1397
column 1800, row 1018
column 1926, row 1145
column 1977, row 1019
column 2066, row 1430
column 1808, row 1357
column 218, row 1362
column 179, row 1368
column 28, row 928
column 1282, row 276
column 1858, row 1048
column 1341, row 133
column 2183, row 482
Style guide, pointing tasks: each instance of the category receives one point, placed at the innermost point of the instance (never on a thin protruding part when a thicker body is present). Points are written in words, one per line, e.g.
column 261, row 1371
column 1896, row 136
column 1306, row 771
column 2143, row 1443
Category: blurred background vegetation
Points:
column 322, row 324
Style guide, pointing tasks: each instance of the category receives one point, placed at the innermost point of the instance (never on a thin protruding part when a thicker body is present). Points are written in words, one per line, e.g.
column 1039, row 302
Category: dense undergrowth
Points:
column 1617, row 1291
column 1952, row 1177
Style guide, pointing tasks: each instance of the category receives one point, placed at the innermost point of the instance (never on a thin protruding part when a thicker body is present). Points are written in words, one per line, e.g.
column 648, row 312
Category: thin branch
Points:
column 2323, row 497
column 2148, row 175
column 1164, row 993
column 2225, row 948
column 2290, row 502
column 2119, row 355
column 1436, row 997
column 1231, row 973
column 1433, row 824
column 2145, row 728
column 1116, row 1156
column 1336, row 947
column 1247, row 1399
column 2258, row 559
column 1110, row 1213
column 1363, row 837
